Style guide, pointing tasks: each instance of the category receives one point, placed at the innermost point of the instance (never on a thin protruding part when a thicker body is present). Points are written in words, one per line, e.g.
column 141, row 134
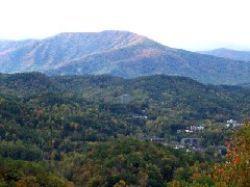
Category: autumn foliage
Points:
column 236, row 170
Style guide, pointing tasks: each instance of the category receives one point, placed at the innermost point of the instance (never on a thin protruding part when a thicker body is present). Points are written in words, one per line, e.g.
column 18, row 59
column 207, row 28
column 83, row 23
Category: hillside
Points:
column 173, row 92
column 142, row 106
column 67, row 130
column 117, row 53
column 229, row 54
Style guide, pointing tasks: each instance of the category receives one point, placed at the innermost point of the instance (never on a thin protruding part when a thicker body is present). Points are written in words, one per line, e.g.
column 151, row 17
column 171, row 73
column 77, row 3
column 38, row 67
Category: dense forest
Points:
column 110, row 131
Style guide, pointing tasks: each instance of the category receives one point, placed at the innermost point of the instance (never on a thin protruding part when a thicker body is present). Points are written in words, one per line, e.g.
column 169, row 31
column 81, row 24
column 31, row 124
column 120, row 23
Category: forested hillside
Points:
column 106, row 131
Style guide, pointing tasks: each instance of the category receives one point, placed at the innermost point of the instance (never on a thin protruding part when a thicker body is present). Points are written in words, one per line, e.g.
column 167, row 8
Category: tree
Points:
column 236, row 170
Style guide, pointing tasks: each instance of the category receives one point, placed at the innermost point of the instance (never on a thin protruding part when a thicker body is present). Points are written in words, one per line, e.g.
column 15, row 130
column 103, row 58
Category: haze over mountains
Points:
column 117, row 53
column 229, row 53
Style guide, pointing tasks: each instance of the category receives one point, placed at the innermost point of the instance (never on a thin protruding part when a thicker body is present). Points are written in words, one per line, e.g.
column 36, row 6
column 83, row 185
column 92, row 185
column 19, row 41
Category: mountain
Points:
column 181, row 95
column 117, row 53
column 246, row 85
column 229, row 53
column 157, row 88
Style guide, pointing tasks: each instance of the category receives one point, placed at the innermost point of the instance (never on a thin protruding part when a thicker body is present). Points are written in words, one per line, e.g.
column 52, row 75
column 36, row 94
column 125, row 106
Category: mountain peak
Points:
column 106, row 33
column 119, row 53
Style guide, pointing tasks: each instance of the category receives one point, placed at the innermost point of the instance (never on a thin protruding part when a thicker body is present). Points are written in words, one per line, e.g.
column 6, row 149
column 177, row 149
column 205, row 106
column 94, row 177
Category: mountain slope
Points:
column 179, row 95
column 229, row 53
column 117, row 53
column 48, row 53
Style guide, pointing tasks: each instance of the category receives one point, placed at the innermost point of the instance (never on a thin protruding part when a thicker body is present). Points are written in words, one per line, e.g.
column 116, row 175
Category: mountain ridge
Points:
column 118, row 53
column 229, row 54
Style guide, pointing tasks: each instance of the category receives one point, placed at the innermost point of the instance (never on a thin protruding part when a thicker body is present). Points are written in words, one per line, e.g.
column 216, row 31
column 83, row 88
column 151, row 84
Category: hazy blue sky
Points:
column 189, row 24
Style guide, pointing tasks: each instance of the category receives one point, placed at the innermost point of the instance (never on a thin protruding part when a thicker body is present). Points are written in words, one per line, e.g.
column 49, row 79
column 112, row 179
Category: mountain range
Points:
column 179, row 96
column 118, row 53
column 229, row 53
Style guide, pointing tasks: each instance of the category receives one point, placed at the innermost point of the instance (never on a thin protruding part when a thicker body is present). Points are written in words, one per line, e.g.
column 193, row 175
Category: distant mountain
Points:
column 229, row 53
column 246, row 85
column 118, row 53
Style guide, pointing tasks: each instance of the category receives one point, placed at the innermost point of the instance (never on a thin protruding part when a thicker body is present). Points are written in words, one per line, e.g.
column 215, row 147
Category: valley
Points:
column 80, row 127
